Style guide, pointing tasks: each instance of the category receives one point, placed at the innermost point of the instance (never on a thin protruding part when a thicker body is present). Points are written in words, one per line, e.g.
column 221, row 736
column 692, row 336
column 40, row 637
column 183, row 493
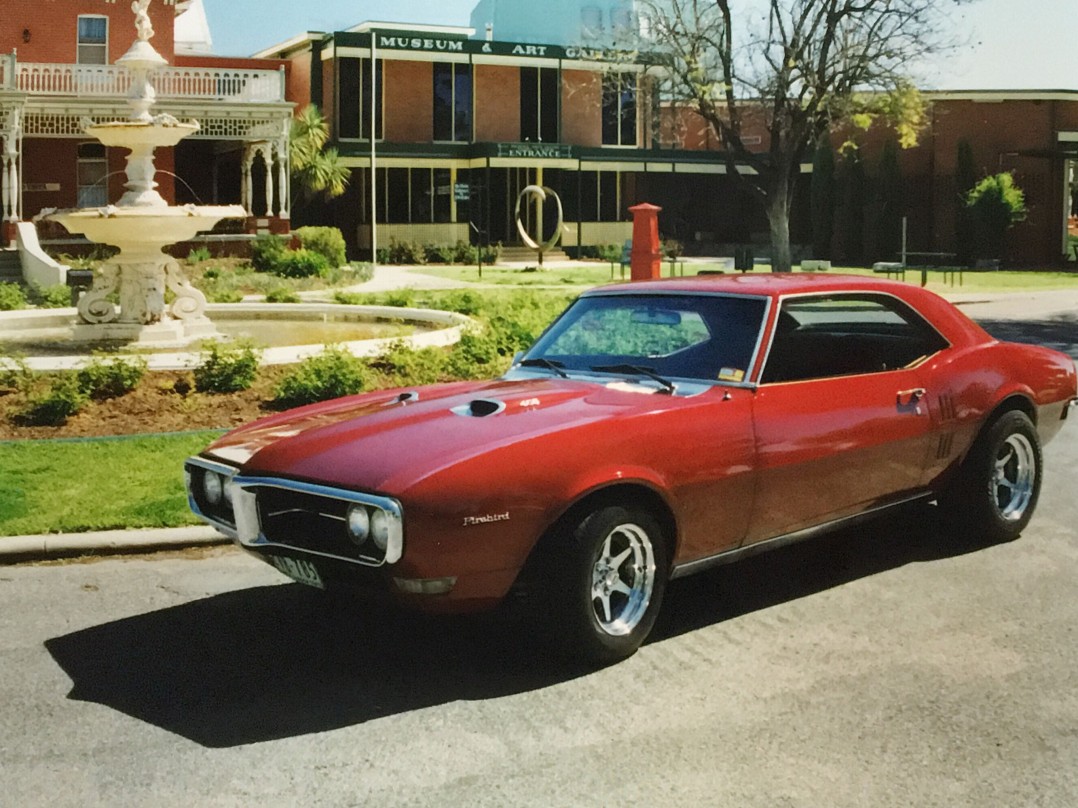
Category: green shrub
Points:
column 609, row 252
column 331, row 374
column 402, row 298
column 226, row 368
column 267, row 251
column 462, row 301
column 57, row 296
column 15, row 374
column 351, row 298
column 996, row 205
column 437, row 254
column 12, row 297
column 478, row 355
column 301, row 264
column 672, row 249
column 224, row 295
column 404, row 365
column 281, row 294
column 56, row 403
column 361, row 271
column 326, row 241
column 402, row 252
column 110, row 376
column 491, row 253
column 198, row 255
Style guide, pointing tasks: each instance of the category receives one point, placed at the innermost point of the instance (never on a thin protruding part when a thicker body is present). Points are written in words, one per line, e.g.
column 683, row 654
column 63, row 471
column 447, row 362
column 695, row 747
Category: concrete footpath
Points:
column 1023, row 305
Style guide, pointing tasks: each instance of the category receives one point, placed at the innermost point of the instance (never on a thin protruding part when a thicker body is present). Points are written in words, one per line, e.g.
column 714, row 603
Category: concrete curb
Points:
column 105, row 542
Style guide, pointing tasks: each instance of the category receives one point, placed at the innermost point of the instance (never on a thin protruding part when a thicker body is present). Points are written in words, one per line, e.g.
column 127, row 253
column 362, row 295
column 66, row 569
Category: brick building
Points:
column 57, row 70
column 462, row 125
column 463, row 122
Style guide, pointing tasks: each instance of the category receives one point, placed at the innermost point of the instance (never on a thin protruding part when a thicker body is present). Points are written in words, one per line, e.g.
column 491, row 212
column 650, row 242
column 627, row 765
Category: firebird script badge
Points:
column 486, row 519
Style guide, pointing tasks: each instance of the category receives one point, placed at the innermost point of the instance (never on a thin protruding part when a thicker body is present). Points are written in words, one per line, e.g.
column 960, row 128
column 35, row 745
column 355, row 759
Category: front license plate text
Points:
column 298, row 570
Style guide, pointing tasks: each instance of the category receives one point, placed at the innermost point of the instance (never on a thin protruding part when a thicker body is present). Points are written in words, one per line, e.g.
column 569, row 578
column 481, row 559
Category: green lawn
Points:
column 600, row 273
column 581, row 275
column 58, row 486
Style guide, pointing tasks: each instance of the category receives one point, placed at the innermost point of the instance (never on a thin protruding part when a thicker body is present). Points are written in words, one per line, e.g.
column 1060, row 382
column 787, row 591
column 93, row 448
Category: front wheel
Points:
column 607, row 589
column 996, row 491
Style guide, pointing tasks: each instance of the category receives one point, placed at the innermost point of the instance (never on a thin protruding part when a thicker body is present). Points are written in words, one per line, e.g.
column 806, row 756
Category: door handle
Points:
column 911, row 396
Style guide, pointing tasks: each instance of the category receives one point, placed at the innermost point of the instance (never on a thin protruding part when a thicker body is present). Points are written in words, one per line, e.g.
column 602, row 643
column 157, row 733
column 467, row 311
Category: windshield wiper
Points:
column 639, row 370
column 549, row 364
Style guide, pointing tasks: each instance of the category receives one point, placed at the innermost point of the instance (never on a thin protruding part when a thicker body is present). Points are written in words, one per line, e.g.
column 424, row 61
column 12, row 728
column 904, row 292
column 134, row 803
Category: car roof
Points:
column 945, row 317
column 772, row 284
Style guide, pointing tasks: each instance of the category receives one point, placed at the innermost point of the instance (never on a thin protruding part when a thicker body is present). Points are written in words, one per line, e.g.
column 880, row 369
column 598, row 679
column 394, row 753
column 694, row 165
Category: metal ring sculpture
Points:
column 541, row 194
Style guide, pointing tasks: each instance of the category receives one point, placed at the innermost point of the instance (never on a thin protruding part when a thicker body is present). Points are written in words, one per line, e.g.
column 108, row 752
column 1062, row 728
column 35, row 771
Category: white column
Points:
column 248, row 188
column 267, row 190
column 282, row 177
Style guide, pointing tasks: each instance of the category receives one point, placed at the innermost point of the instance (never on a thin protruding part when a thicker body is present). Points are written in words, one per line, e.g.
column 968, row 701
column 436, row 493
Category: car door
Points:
column 840, row 415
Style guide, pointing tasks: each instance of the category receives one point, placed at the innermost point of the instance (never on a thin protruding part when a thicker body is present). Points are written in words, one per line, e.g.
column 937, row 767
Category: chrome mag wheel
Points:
column 1015, row 476
column 622, row 579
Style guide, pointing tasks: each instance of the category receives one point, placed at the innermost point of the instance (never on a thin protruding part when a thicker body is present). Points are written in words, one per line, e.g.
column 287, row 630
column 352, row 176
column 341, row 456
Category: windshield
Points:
column 701, row 337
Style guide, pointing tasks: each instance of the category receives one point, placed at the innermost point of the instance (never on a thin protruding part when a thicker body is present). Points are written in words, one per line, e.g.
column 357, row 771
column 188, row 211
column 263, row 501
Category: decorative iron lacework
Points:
column 237, row 127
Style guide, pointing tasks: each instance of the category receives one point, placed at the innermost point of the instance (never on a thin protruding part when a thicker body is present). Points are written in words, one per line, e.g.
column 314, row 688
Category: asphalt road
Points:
column 883, row 666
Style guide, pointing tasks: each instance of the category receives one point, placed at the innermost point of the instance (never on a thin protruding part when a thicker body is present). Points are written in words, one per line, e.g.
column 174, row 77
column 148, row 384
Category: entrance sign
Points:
column 539, row 193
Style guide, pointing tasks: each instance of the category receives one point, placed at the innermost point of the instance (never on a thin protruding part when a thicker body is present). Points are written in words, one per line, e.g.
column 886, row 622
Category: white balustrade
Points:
column 202, row 83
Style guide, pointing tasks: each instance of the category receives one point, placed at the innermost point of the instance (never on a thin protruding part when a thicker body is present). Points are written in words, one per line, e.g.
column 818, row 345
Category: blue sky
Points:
column 1014, row 44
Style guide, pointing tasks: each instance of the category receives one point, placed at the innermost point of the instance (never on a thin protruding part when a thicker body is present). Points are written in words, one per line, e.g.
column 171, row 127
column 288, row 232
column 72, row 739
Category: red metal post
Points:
column 646, row 260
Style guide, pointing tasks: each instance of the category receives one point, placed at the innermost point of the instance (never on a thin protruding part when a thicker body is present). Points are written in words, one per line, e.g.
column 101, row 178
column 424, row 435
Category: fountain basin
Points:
column 141, row 232
column 21, row 331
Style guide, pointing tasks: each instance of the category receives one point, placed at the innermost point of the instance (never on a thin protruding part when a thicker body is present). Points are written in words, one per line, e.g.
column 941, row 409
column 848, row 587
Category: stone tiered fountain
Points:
column 141, row 223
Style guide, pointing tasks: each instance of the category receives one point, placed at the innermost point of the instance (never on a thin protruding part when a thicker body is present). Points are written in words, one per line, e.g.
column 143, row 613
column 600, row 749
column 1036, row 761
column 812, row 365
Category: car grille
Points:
column 309, row 518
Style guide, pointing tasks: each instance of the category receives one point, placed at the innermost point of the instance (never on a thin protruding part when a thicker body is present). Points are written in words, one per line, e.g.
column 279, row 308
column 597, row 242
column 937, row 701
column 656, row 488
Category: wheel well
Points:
column 629, row 495
column 1012, row 402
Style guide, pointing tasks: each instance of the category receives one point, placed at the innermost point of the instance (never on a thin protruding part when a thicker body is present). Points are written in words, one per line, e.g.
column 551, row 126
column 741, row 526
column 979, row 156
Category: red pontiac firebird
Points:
column 655, row 429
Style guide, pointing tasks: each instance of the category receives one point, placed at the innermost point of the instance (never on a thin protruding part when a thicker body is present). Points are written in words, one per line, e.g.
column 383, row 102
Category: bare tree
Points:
column 795, row 68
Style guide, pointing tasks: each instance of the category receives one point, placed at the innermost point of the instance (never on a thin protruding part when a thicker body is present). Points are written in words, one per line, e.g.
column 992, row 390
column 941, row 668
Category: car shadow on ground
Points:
column 280, row 661
column 1059, row 332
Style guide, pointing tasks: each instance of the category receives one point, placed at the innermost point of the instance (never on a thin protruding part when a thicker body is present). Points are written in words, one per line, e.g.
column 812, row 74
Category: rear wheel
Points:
column 997, row 488
column 607, row 589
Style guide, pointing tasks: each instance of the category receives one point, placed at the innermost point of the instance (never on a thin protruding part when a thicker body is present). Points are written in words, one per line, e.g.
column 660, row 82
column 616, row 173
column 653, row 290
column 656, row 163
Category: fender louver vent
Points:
column 480, row 408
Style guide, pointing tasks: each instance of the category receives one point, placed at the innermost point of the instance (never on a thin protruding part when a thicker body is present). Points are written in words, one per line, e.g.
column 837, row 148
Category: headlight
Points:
column 212, row 487
column 359, row 524
column 380, row 529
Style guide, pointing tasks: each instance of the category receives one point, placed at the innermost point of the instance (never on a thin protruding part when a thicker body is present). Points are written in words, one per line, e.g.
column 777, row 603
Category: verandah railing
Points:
column 193, row 83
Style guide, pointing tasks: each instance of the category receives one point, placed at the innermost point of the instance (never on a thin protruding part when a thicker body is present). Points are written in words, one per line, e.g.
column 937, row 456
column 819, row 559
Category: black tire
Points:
column 607, row 587
column 996, row 490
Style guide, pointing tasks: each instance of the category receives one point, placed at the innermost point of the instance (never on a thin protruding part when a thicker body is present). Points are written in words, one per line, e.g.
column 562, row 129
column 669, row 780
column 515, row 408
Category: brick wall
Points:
column 409, row 101
column 497, row 104
column 52, row 26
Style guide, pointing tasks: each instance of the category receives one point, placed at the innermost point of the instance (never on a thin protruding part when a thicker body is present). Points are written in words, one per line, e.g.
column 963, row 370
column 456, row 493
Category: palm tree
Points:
column 315, row 169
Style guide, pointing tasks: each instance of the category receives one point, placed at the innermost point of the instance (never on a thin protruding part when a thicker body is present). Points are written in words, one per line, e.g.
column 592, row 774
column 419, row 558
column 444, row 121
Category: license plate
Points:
column 298, row 570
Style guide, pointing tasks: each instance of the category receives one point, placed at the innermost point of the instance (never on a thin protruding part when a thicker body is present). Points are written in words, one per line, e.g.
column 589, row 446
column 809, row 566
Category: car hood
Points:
column 385, row 442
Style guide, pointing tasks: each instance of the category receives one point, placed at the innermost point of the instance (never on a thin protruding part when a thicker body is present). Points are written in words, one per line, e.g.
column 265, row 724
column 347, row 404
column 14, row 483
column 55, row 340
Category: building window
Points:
column 600, row 196
column 452, row 102
column 354, row 99
column 539, row 104
column 93, row 46
column 619, row 109
column 93, row 169
column 414, row 196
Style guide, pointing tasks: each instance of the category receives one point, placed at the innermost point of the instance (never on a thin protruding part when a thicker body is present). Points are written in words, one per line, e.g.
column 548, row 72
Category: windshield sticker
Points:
column 731, row 375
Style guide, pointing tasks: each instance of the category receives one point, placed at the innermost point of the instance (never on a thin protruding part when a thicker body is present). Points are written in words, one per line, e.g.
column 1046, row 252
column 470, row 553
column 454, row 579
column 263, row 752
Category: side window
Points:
column 843, row 335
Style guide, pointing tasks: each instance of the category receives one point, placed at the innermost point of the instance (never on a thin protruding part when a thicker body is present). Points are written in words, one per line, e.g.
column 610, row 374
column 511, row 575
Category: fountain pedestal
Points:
column 142, row 224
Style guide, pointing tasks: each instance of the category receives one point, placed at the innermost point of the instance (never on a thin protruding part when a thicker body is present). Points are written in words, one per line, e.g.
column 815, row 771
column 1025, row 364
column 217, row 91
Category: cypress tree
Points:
column 890, row 205
column 965, row 177
column 823, row 198
column 853, row 230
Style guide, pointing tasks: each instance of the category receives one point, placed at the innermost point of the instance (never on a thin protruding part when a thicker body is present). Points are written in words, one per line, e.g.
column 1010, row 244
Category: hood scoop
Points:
column 479, row 408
